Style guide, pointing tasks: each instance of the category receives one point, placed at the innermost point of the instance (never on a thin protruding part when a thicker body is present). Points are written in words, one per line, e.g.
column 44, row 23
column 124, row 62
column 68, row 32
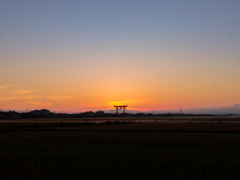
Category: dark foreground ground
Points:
column 119, row 155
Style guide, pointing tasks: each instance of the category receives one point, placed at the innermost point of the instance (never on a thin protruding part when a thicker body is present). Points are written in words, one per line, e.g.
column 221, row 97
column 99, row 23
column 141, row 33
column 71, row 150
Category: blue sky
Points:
column 180, row 24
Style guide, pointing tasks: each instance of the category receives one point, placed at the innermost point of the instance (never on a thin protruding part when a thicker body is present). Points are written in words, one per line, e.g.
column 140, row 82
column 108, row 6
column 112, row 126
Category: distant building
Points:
column 100, row 113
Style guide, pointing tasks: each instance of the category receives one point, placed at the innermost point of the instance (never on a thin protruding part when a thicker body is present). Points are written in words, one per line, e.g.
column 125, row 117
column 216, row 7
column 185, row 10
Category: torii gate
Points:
column 121, row 107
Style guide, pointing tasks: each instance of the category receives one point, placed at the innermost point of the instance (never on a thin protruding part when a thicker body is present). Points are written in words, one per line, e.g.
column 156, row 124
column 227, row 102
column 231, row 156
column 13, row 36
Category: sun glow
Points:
column 121, row 103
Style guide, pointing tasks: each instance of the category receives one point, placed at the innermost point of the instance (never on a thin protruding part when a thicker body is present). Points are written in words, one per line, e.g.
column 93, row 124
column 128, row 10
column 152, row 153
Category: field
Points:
column 222, row 124
column 82, row 151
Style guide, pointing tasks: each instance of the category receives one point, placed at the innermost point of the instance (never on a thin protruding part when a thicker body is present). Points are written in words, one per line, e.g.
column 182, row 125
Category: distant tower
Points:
column 181, row 111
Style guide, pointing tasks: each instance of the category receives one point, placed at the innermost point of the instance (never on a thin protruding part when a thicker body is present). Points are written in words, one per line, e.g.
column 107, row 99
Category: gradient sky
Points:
column 80, row 55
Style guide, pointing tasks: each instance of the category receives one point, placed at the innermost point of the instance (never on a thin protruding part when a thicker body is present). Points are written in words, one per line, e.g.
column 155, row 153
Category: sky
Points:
column 82, row 55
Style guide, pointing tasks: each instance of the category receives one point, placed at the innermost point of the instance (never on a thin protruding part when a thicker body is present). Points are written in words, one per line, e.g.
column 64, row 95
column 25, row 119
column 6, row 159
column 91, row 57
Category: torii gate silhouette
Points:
column 121, row 107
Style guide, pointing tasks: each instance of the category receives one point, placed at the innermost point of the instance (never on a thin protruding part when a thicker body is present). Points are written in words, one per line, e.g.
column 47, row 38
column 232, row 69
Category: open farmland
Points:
column 126, row 124
column 119, row 155
column 120, row 148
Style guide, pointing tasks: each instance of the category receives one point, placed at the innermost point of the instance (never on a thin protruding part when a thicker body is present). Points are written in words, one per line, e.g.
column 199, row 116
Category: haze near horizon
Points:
column 90, row 55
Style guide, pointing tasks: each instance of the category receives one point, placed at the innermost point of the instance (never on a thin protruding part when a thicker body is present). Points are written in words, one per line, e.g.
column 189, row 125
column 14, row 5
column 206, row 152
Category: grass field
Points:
column 119, row 155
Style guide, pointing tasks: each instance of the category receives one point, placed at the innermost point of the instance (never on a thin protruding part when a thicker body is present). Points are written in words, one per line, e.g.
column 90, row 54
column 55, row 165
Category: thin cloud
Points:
column 14, row 85
column 60, row 98
column 8, row 86
column 30, row 97
column 3, row 87
column 18, row 97
column 39, row 103
column 105, row 94
column 9, row 98
column 23, row 91
column 17, row 94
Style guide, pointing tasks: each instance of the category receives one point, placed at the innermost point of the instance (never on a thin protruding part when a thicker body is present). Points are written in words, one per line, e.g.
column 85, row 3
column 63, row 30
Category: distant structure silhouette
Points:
column 121, row 107
column 181, row 111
